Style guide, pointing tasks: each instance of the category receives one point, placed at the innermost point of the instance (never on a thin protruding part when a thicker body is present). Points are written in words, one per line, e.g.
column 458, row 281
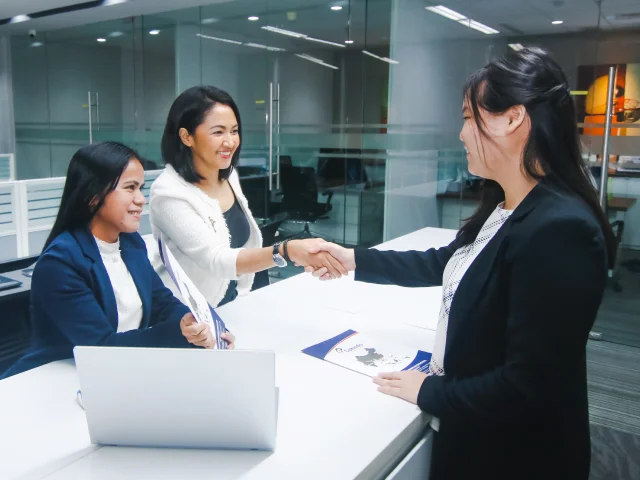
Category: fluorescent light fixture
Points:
column 326, row 42
column 309, row 58
column 446, row 12
column 348, row 42
column 516, row 46
column 253, row 18
column 336, row 8
column 461, row 19
column 302, row 36
column 101, row 40
column 282, row 31
column 481, row 27
column 209, row 21
column 116, row 34
column 557, row 22
column 37, row 44
column 384, row 59
column 154, row 32
column 265, row 47
column 218, row 39
column 106, row 3
column 20, row 19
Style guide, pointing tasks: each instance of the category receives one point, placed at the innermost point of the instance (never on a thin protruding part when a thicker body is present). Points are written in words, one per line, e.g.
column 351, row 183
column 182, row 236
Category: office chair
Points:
column 300, row 198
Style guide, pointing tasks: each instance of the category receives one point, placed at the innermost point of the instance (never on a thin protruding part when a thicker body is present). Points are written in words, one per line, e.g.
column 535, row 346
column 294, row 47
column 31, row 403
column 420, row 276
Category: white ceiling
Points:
column 313, row 17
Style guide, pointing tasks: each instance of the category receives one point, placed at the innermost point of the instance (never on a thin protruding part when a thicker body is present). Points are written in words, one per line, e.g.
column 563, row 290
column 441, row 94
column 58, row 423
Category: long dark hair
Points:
column 94, row 171
column 188, row 111
column 531, row 77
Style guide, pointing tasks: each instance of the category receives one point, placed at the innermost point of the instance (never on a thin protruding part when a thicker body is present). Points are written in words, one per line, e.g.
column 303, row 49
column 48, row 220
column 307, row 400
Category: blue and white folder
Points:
column 200, row 308
column 369, row 355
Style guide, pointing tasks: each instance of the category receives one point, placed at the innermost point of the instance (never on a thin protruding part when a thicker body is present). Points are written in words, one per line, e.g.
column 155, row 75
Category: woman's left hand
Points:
column 230, row 338
column 405, row 385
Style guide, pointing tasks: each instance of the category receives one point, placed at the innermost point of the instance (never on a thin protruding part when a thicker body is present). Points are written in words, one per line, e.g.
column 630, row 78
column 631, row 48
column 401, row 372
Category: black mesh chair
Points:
column 300, row 198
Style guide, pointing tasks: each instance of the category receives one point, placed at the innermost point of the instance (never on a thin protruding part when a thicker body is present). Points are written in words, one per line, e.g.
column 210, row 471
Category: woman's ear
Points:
column 185, row 137
column 516, row 116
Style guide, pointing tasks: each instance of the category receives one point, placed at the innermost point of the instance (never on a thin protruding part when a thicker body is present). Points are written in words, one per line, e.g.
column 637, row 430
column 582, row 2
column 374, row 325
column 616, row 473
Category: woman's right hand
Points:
column 346, row 256
column 198, row 334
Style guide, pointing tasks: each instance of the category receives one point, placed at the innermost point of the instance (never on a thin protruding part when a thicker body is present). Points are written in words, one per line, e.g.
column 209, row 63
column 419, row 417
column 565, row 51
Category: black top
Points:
column 239, row 231
column 513, row 400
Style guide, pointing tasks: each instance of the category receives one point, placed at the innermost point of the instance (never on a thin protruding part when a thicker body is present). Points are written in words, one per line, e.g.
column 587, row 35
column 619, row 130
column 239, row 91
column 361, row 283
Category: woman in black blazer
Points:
column 523, row 281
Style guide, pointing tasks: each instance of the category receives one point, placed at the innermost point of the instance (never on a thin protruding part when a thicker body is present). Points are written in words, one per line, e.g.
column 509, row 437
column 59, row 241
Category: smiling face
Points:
column 498, row 148
column 214, row 141
column 122, row 207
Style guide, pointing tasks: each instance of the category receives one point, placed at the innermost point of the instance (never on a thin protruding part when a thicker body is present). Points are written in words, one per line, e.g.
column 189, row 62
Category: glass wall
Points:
column 354, row 103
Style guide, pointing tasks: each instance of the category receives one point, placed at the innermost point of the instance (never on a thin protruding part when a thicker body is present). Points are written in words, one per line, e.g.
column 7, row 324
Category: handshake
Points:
column 324, row 260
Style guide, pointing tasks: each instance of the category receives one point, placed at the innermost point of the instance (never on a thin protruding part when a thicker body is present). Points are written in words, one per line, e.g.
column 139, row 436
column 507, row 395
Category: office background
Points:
column 351, row 110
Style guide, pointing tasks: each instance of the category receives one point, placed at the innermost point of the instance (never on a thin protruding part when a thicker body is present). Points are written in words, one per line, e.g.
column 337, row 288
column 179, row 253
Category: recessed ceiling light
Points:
column 336, row 8
column 348, row 42
column 101, row 40
column 20, row 19
column 557, row 22
column 37, row 44
column 116, row 34
column 209, row 21
column 253, row 18
column 516, row 46
column 154, row 32
column 106, row 3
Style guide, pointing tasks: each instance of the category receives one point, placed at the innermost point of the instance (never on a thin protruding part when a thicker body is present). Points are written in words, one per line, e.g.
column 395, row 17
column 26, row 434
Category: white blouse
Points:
column 455, row 270
column 124, row 288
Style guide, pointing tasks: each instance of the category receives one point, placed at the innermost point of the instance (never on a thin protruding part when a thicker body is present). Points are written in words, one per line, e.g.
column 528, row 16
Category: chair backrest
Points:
column 18, row 263
column 299, row 188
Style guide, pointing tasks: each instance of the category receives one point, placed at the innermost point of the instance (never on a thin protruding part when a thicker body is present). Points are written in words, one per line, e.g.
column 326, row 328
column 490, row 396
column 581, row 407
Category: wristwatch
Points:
column 277, row 258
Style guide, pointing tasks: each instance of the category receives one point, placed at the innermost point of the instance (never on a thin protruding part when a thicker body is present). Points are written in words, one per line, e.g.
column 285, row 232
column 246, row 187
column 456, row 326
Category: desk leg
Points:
column 417, row 463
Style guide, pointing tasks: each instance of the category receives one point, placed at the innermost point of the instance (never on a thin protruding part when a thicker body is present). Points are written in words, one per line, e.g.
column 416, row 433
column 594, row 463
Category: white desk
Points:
column 332, row 422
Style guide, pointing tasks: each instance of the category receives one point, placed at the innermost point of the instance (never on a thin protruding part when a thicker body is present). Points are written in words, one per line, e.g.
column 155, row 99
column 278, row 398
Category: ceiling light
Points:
column 384, row 59
column 37, row 44
column 462, row 20
column 101, row 40
column 516, row 46
column 557, row 22
column 336, row 8
column 302, row 36
column 326, row 42
column 20, row 19
column 282, row 31
column 348, row 42
column 116, row 34
column 304, row 56
column 154, row 32
column 209, row 21
column 225, row 40
column 481, row 27
column 266, row 47
column 446, row 12
column 106, row 3
column 253, row 18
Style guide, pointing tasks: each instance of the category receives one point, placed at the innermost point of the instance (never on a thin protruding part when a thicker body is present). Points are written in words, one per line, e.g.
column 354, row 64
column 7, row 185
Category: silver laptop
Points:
column 165, row 397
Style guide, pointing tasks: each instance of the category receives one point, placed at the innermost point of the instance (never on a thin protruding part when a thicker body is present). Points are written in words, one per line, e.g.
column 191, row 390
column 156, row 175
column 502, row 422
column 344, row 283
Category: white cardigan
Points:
column 198, row 235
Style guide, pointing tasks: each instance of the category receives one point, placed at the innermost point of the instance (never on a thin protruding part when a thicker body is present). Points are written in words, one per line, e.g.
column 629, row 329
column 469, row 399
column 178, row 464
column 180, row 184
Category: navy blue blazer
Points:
column 513, row 400
column 72, row 301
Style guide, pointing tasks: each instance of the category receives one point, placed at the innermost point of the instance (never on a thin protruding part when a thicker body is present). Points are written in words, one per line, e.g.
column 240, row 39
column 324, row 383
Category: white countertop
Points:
column 332, row 422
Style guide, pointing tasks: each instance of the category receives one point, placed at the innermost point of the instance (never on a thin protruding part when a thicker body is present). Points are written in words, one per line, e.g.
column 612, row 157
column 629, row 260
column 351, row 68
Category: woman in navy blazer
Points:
column 72, row 297
column 522, row 283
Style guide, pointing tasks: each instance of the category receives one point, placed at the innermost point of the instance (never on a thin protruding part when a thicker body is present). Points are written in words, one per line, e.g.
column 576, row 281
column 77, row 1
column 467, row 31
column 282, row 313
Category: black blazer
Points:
column 513, row 400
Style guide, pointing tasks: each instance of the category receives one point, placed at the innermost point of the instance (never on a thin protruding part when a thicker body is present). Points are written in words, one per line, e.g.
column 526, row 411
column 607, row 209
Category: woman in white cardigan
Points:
column 198, row 208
